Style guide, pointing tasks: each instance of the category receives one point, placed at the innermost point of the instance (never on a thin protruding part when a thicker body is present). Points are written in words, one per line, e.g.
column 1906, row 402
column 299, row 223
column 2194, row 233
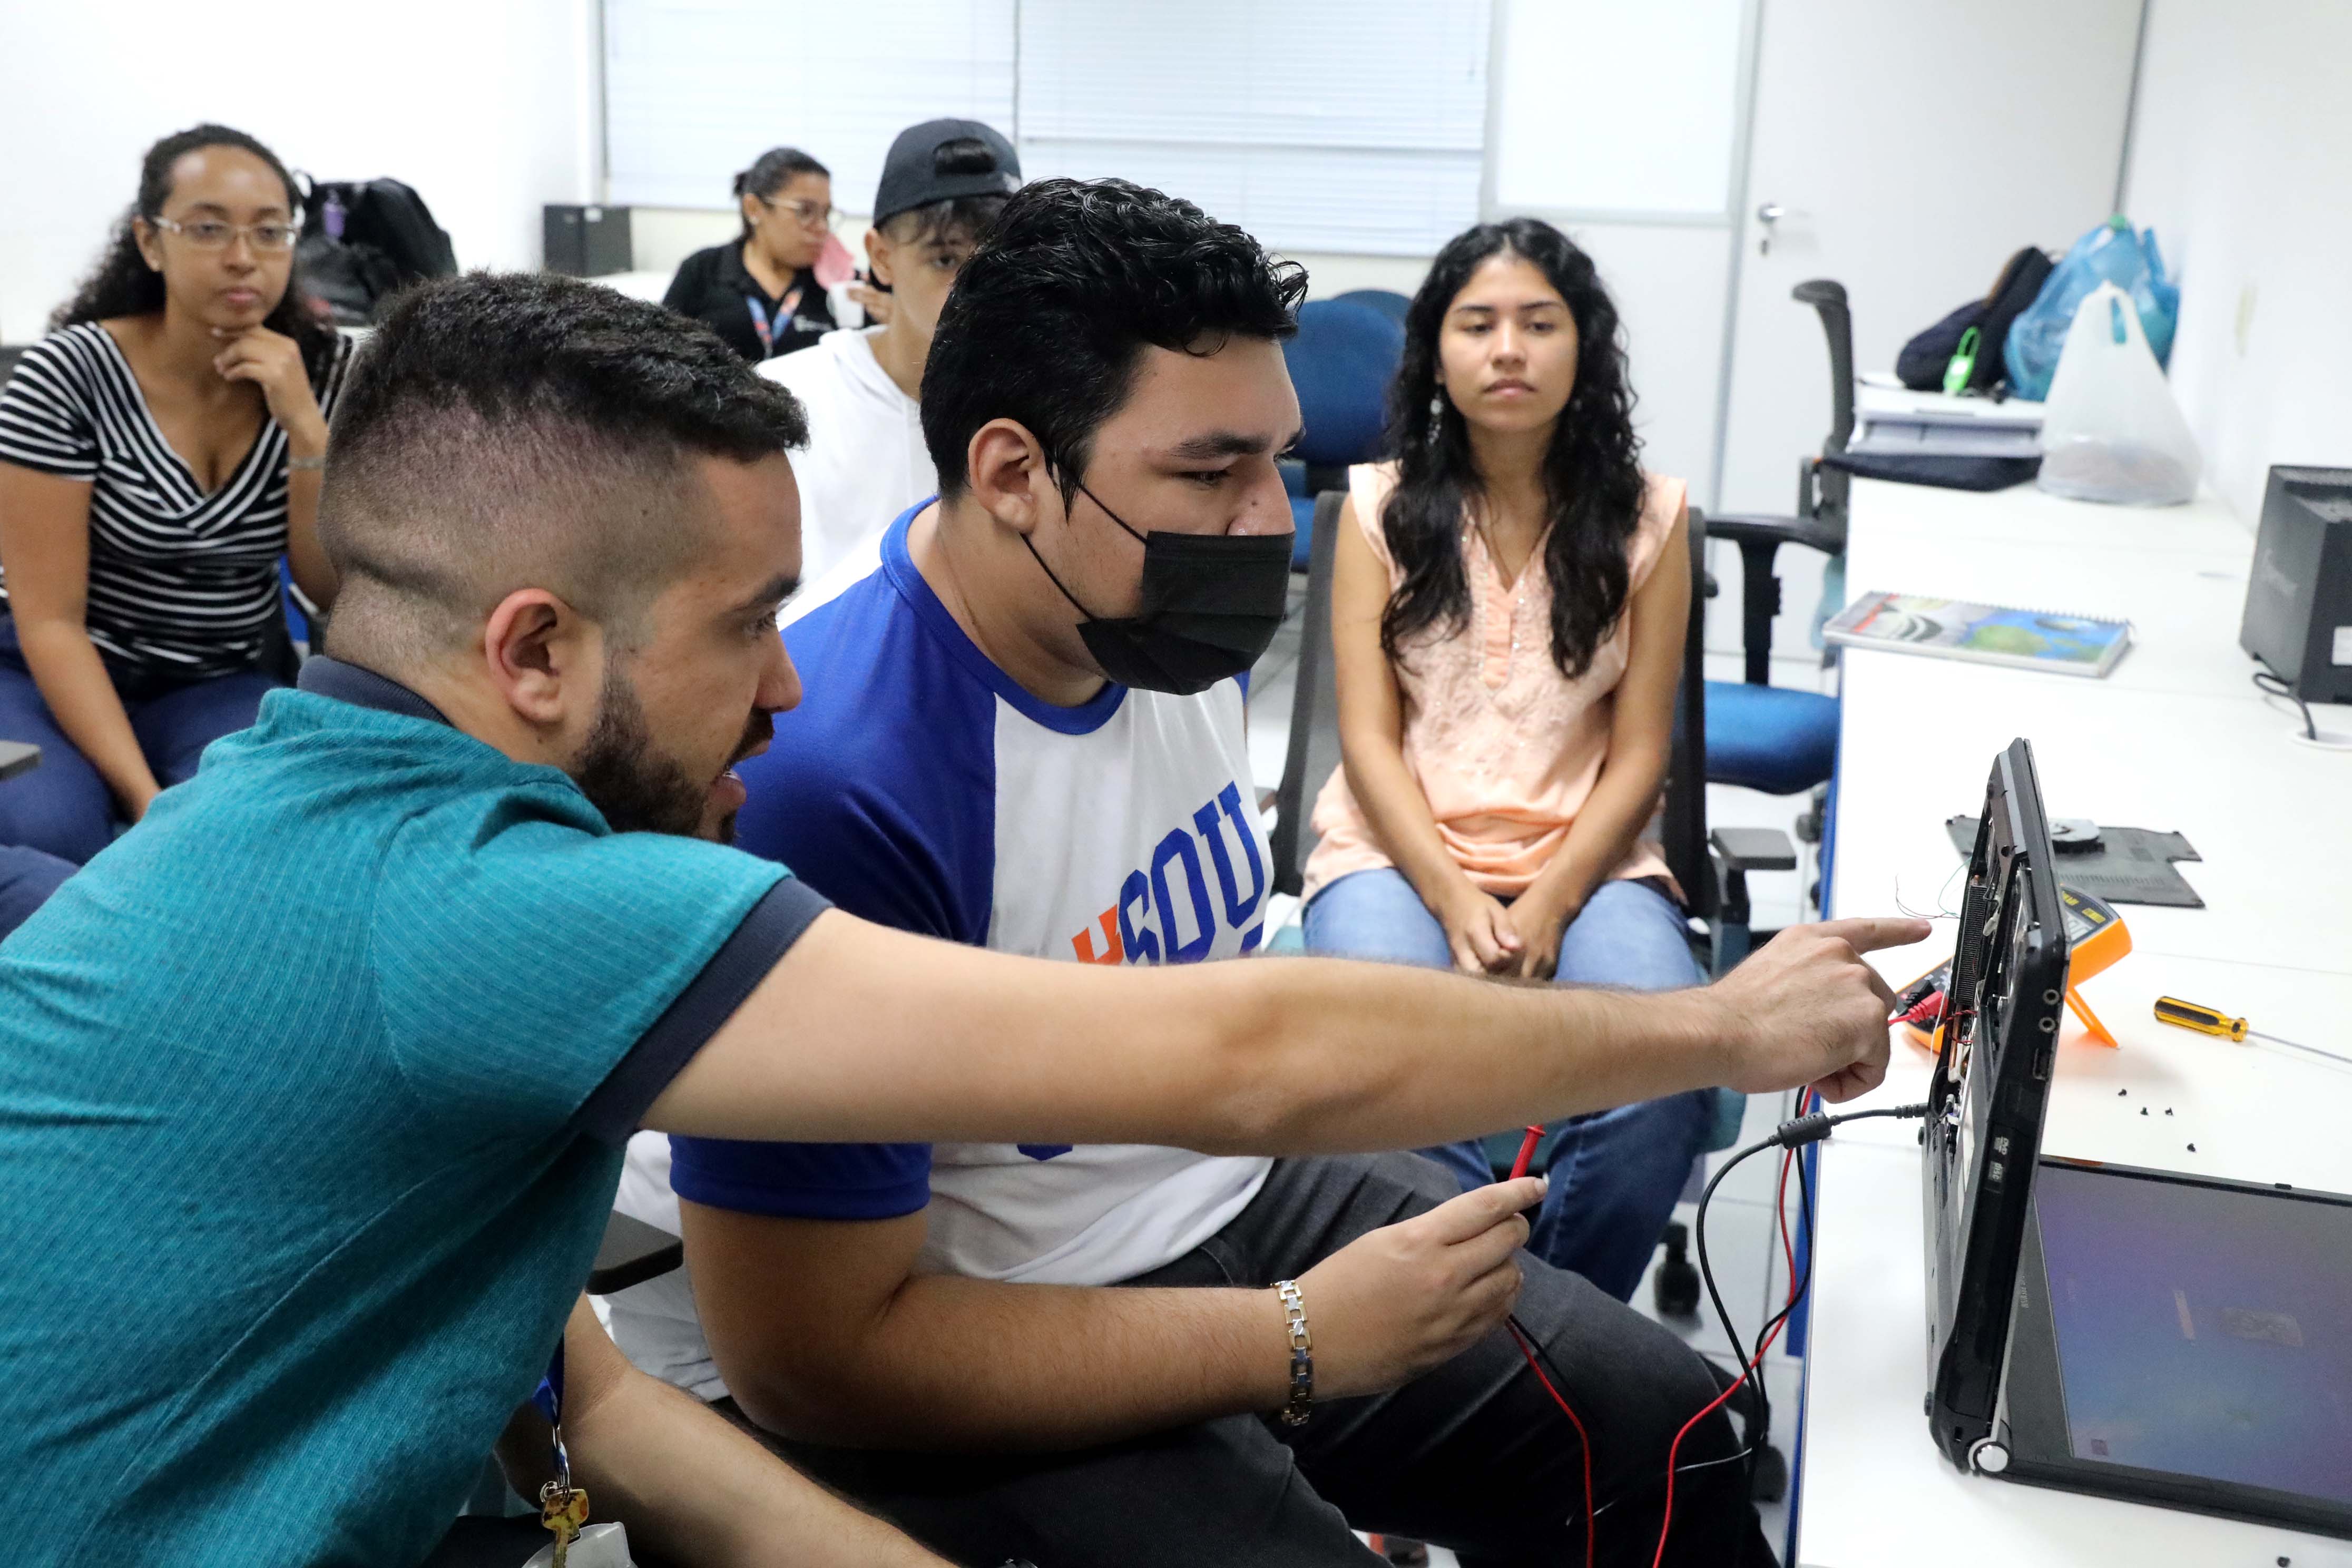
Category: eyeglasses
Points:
column 812, row 215
column 212, row 234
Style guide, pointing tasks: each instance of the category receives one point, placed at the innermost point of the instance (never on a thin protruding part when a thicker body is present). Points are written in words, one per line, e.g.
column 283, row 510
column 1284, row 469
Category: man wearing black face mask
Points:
column 1023, row 732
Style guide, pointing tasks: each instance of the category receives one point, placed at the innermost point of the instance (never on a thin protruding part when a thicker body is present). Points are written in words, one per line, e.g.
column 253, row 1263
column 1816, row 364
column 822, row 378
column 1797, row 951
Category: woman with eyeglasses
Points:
column 759, row 290
column 160, row 451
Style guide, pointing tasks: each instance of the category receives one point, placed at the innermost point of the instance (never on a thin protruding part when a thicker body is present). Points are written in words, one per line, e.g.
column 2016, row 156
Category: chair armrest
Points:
column 1753, row 848
column 632, row 1253
column 1744, row 527
column 18, row 757
column 1760, row 538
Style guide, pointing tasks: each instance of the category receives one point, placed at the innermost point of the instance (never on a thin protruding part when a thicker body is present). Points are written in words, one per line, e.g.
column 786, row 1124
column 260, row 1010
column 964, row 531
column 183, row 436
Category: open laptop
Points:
column 2143, row 1335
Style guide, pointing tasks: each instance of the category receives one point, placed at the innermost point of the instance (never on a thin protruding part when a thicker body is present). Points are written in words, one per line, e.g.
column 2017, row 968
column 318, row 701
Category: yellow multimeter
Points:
column 2095, row 940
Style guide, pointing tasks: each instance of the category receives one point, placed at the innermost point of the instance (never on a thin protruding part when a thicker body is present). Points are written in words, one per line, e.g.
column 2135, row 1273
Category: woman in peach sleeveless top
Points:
column 1507, row 616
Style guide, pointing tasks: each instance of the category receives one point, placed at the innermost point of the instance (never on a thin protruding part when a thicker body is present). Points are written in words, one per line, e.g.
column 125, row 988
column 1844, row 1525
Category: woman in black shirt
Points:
column 160, row 451
column 759, row 290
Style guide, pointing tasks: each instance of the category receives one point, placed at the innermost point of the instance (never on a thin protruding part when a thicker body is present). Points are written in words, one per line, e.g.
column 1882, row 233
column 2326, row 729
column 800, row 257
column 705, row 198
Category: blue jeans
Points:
column 56, row 816
column 1615, row 1174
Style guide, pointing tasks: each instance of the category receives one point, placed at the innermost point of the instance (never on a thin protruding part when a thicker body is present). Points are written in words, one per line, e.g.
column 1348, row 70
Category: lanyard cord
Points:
column 548, row 1397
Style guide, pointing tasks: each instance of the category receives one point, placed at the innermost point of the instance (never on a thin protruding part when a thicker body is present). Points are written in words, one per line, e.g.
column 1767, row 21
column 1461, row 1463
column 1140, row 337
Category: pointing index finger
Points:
column 1872, row 933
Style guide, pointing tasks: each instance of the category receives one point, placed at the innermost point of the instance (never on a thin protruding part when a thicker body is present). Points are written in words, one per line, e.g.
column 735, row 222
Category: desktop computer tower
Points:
column 587, row 241
column 2299, row 603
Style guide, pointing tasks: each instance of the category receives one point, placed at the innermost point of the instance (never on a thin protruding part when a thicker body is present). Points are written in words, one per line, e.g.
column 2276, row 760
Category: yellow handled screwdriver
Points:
column 2214, row 1021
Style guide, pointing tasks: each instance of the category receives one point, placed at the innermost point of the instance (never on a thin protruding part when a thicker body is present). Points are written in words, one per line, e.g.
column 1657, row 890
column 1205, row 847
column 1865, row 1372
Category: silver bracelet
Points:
column 307, row 465
column 1302, row 1353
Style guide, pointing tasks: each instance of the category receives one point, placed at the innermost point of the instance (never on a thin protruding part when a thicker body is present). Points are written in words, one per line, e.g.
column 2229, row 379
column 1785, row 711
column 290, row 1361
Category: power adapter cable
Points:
column 2310, row 734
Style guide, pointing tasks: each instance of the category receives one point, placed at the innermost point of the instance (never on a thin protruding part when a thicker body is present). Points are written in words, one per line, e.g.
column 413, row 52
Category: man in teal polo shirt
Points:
column 313, row 1088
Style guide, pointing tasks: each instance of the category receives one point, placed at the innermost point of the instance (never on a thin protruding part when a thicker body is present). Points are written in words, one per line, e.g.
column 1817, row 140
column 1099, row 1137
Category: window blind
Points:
column 1342, row 125
column 695, row 90
column 1356, row 126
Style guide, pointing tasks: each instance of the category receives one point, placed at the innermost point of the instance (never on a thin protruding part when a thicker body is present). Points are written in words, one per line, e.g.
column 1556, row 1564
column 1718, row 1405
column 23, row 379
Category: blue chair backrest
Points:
column 1387, row 301
column 1341, row 361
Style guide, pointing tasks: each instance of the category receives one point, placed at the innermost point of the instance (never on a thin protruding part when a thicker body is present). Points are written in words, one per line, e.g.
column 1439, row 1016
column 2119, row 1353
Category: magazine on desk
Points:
column 1983, row 634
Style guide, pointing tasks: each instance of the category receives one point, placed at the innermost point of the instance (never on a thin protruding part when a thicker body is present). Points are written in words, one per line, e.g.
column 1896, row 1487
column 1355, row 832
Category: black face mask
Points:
column 1212, row 603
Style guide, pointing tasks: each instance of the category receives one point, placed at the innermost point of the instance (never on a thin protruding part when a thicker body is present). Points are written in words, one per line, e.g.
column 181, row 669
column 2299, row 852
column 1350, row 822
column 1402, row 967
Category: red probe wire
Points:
column 1583, row 1443
column 1806, row 1104
column 1762, row 1345
column 1928, row 1010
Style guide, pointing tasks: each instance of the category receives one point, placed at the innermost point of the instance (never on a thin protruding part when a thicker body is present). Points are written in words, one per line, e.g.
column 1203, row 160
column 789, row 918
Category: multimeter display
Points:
column 2095, row 940
column 2096, row 937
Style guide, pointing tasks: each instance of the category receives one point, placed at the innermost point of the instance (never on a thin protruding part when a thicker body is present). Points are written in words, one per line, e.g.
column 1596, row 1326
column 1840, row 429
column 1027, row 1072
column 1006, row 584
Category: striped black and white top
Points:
column 183, row 585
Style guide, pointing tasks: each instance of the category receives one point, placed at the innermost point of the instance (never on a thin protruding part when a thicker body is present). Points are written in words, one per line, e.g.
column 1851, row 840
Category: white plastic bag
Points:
column 2111, row 431
column 599, row 1546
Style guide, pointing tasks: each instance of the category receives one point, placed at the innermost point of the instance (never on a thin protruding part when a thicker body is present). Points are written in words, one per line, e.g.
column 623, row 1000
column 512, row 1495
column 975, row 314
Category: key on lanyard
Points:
column 563, row 1507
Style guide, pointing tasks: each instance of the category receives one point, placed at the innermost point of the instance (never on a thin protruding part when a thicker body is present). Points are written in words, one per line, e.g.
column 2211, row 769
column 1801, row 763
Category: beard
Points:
column 637, row 786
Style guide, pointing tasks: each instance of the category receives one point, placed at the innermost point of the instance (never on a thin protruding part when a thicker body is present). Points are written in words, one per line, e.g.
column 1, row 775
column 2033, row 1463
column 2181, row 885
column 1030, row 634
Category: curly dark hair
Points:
column 1591, row 471
column 124, row 285
column 1048, row 320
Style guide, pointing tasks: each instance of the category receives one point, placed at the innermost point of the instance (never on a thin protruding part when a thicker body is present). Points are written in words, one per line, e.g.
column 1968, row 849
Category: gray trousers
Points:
column 1473, row 1456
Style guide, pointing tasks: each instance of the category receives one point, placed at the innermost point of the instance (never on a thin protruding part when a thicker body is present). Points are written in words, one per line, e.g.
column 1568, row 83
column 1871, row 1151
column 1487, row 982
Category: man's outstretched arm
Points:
column 864, row 1034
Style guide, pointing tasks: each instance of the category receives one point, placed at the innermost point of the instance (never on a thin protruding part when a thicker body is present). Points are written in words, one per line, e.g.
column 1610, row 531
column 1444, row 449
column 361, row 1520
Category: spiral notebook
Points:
column 1985, row 634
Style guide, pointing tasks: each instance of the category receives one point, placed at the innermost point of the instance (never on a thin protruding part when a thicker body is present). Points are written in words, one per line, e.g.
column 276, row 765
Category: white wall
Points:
column 490, row 130
column 486, row 108
column 2242, row 159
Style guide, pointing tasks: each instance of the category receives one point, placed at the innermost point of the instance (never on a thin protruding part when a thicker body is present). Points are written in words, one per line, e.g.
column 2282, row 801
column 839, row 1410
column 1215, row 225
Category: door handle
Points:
column 1768, row 214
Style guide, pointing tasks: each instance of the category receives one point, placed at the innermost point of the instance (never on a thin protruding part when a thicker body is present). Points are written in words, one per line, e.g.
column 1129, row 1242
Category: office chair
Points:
column 1387, row 301
column 1712, row 866
column 1313, row 755
column 1341, row 361
column 1765, row 738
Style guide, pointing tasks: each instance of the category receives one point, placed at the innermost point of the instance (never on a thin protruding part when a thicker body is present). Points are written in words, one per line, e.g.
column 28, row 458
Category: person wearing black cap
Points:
column 942, row 186
column 758, row 291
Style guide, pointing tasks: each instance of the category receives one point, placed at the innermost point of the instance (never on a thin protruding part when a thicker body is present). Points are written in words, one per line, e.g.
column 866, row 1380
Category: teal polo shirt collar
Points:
column 615, row 1112
column 363, row 688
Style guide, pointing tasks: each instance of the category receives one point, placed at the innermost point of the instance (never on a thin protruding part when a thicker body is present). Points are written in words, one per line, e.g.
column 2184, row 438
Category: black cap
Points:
column 910, row 176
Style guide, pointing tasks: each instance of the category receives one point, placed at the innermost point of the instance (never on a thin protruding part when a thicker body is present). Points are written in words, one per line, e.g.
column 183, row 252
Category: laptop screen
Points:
column 2200, row 1331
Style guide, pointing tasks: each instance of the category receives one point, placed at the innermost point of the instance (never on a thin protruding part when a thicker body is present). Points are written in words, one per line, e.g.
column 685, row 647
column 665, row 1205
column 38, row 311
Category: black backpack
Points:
column 1920, row 366
column 363, row 240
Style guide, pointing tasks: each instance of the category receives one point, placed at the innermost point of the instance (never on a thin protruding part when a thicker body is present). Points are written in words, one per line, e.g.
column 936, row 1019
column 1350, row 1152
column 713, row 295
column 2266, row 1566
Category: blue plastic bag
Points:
column 2111, row 253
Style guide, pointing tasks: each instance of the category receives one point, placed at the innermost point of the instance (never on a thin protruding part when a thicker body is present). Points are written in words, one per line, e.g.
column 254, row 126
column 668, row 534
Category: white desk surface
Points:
column 2175, row 738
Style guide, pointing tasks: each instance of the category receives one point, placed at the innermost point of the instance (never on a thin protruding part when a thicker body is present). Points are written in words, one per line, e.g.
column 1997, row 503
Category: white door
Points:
column 1910, row 148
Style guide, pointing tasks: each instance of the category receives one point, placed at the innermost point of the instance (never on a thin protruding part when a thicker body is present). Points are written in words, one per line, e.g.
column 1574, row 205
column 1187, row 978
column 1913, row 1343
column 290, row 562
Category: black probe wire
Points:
column 1791, row 1135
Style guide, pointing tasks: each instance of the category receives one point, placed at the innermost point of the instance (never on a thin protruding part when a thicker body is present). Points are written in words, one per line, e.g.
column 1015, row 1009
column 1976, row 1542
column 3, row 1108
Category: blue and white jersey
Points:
column 918, row 786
